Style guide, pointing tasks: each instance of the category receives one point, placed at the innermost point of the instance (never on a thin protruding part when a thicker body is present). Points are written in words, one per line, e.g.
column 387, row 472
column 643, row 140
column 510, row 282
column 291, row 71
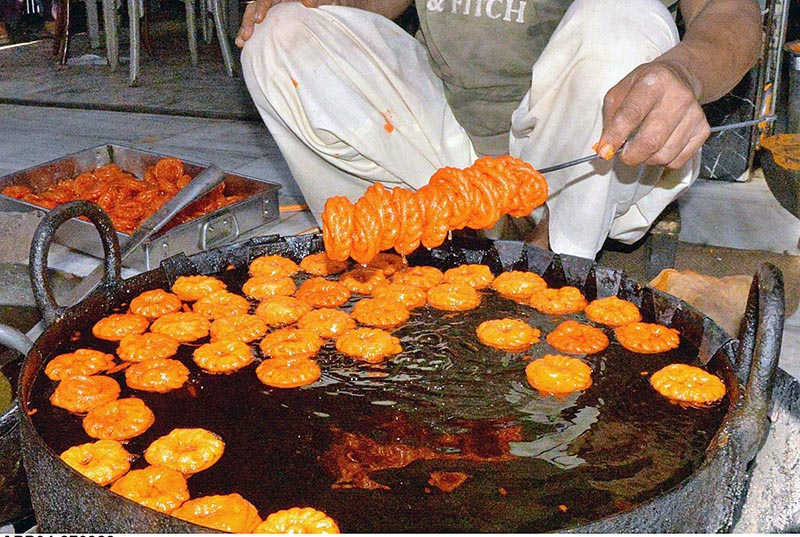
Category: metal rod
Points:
column 718, row 128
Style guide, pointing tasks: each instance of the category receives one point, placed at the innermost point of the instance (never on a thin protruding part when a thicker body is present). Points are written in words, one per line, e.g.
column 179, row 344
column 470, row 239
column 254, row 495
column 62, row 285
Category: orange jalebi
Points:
column 367, row 231
column 436, row 210
column 532, row 188
column 337, row 227
column 409, row 213
column 475, row 197
column 504, row 183
column 460, row 194
column 126, row 199
column 380, row 199
column 486, row 206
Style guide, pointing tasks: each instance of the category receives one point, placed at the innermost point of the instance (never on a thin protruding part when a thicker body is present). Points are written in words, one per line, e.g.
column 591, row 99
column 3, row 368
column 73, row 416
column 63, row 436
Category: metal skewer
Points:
column 718, row 128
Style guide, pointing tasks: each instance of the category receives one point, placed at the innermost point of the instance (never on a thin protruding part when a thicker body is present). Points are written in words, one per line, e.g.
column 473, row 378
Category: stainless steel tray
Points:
column 259, row 206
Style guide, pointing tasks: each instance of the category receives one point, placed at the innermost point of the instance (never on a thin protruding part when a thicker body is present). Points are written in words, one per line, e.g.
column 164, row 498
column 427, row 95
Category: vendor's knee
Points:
column 283, row 25
column 618, row 12
column 644, row 27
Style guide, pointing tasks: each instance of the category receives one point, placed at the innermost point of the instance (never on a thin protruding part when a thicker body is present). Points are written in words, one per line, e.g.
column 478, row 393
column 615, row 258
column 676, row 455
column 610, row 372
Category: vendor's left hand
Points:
column 655, row 109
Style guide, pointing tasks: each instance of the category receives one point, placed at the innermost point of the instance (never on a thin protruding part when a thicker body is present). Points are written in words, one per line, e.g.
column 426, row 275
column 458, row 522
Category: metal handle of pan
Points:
column 40, row 248
column 759, row 351
column 14, row 339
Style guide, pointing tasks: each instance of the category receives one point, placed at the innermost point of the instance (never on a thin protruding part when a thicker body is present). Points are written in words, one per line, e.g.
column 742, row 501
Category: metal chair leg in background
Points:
column 135, row 13
column 191, row 29
column 218, row 11
column 112, row 35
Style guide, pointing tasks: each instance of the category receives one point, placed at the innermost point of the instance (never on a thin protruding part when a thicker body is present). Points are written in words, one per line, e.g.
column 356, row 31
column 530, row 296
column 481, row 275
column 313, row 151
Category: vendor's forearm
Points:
column 722, row 42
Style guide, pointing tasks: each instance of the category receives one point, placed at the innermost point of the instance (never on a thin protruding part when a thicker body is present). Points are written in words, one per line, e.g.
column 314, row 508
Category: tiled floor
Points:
column 735, row 215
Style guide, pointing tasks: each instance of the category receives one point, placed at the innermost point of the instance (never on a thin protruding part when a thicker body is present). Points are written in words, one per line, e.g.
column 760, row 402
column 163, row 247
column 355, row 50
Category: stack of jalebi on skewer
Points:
column 475, row 197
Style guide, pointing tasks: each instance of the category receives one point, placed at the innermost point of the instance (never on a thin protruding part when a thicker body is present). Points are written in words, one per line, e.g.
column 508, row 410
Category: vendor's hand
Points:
column 655, row 109
column 255, row 12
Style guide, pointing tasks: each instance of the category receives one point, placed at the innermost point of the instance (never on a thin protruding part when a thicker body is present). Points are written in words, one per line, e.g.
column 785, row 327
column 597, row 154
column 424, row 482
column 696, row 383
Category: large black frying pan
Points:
column 702, row 496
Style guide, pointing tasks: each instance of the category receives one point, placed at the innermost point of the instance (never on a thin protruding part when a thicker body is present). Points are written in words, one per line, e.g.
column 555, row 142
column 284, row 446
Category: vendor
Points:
column 351, row 98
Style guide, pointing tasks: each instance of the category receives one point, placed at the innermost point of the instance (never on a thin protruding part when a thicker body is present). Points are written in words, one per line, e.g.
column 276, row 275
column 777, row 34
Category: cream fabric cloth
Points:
column 351, row 99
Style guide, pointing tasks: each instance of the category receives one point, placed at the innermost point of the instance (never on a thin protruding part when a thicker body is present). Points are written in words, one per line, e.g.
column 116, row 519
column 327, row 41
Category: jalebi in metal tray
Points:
column 258, row 206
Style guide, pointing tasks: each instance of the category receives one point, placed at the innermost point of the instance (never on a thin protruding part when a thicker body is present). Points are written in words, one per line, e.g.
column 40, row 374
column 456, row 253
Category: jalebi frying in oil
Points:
column 81, row 394
column 371, row 345
column 453, row 297
column 518, row 285
column 409, row 295
column 298, row 520
column 573, row 337
column 274, row 266
column 288, row 372
column 156, row 487
column 187, row 450
column 558, row 375
column 116, row 326
column 379, row 313
column 191, row 288
column 79, row 363
column 223, row 356
column 512, row 335
column 475, row 275
column 321, row 265
column 327, row 323
column 221, row 303
column 291, row 343
column 147, row 346
column 387, row 262
column 421, row 276
column 280, row 311
column 612, row 311
column 244, row 327
column 363, row 280
column 228, row 512
column 159, row 375
column 121, row 419
column 322, row 293
column 185, row 326
column 264, row 287
column 567, row 299
column 688, row 385
column 103, row 461
column 647, row 338
column 155, row 303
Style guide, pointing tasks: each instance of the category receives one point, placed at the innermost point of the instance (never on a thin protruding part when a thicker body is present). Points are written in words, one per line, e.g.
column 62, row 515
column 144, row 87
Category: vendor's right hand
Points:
column 255, row 12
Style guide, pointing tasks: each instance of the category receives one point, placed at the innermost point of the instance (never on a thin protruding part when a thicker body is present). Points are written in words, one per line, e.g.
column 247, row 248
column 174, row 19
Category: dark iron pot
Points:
column 15, row 504
column 710, row 499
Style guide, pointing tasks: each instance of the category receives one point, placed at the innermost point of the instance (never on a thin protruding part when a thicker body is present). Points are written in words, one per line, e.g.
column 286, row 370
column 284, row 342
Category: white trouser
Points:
column 350, row 99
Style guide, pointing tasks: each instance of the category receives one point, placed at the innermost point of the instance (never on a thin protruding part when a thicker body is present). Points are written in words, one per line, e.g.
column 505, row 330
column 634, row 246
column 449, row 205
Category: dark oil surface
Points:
column 534, row 463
